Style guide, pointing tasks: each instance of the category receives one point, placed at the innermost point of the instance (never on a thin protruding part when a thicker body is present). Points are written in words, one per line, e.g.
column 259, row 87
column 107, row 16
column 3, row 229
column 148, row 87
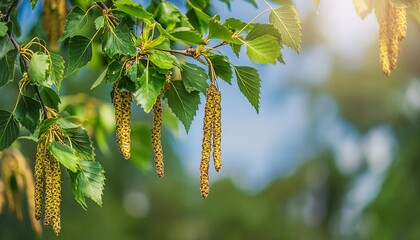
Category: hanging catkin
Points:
column 383, row 43
column 156, row 137
column 39, row 175
column 206, row 144
column 122, row 104
column 393, row 36
column 217, row 130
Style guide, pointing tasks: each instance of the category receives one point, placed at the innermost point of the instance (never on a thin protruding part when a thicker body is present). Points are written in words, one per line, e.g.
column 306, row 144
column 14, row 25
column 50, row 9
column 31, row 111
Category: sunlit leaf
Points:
column 287, row 21
column 249, row 83
column 57, row 69
column 118, row 42
column 194, row 77
column 65, row 155
column 264, row 49
column 39, row 69
column 151, row 84
column 132, row 9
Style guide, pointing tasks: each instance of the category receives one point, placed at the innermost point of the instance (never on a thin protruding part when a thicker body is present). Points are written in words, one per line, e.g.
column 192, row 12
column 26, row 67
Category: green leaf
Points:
column 88, row 182
column 186, row 35
column 81, row 142
column 9, row 129
column 27, row 112
column 198, row 19
column 167, row 15
column 236, row 24
column 286, row 20
column 39, row 69
column 151, row 84
column 50, row 98
column 99, row 22
column 80, row 53
column 99, row 79
column 57, row 69
column 162, row 59
column 3, row 29
column 249, row 83
column 65, row 155
column 183, row 103
column 222, row 67
column 194, row 77
column 7, row 67
column 219, row 31
column 133, row 9
column 118, row 42
column 363, row 7
column 114, row 71
column 236, row 48
column 76, row 20
column 253, row 2
column 260, row 29
column 264, row 49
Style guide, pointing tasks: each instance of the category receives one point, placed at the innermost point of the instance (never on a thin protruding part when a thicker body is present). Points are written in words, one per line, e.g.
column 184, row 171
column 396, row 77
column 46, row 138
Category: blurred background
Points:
column 333, row 154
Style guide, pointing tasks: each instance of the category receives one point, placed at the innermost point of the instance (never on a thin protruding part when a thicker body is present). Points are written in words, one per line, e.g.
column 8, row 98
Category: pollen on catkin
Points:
column 122, row 104
column 401, row 23
column 39, row 175
column 383, row 44
column 156, row 137
column 206, row 144
column 217, row 130
column 393, row 36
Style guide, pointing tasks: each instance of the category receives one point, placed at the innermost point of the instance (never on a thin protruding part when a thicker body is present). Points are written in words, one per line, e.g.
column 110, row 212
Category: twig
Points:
column 106, row 8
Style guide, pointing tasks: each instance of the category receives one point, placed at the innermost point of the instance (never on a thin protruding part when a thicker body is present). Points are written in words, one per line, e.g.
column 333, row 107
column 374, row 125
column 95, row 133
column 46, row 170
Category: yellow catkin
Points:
column 383, row 44
column 393, row 36
column 2, row 200
column 206, row 144
column 217, row 130
column 401, row 23
column 156, row 137
column 122, row 104
column 39, row 175
column 54, row 18
column 52, row 193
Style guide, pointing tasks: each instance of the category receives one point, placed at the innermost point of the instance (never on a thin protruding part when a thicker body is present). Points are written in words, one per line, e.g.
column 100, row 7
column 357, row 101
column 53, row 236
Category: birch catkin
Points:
column 39, row 175
column 383, row 44
column 217, row 130
column 122, row 104
column 393, row 36
column 206, row 144
column 156, row 137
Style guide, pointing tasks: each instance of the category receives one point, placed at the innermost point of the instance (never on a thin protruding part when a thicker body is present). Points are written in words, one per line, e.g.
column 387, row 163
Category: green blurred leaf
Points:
column 133, row 9
column 183, row 103
column 99, row 79
column 219, row 31
column 65, row 155
column 50, row 97
column 81, row 142
column 222, row 67
column 3, row 29
column 7, row 67
column 194, row 77
column 88, row 182
column 76, row 20
column 118, row 42
column 39, row 69
column 253, row 2
column 151, row 84
column 80, row 53
column 27, row 112
column 141, row 146
column 249, row 83
column 286, row 20
column 57, row 69
column 264, row 49
column 9, row 129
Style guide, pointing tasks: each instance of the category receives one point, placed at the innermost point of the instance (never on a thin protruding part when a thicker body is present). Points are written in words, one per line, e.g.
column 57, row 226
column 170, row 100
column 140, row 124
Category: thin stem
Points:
column 182, row 52
column 111, row 16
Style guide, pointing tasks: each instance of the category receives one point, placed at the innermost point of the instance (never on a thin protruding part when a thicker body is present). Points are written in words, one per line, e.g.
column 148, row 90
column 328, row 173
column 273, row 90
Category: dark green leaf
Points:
column 219, row 31
column 194, row 77
column 286, row 20
column 183, row 103
column 133, row 9
column 118, row 42
column 57, row 69
column 7, row 67
column 80, row 53
column 81, row 142
column 114, row 71
column 39, row 69
column 65, row 155
column 151, row 84
column 50, row 98
column 33, row 3
column 27, row 112
column 3, row 29
column 249, row 83
column 99, row 79
column 9, row 129
column 198, row 19
column 162, row 59
column 236, row 48
column 88, row 182
column 264, row 49
column 76, row 20
column 222, row 67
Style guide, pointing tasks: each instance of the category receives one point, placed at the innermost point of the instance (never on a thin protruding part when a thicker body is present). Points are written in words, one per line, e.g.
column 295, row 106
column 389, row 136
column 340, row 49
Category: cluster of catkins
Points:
column 48, row 180
column 392, row 30
column 211, row 137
